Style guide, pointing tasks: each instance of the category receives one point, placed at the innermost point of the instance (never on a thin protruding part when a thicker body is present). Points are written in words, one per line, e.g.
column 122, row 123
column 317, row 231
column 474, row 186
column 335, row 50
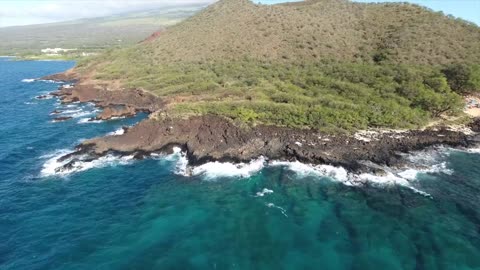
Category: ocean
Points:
column 120, row 213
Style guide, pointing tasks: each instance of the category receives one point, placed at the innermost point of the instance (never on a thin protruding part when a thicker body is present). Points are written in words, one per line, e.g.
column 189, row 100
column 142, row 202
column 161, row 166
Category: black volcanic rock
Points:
column 211, row 138
column 61, row 119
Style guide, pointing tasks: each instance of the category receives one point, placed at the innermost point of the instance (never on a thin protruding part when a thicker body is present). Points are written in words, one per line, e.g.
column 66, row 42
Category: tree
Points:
column 462, row 78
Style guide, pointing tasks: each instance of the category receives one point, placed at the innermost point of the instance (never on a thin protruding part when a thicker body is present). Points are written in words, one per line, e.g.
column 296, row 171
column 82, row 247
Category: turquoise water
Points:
column 143, row 215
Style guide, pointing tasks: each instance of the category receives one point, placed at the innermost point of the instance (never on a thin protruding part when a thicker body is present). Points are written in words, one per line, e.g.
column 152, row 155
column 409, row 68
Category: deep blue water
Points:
column 143, row 215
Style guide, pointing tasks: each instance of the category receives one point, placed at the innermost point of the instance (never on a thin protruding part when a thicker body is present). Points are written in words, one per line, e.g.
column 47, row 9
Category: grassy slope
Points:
column 90, row 34
column 327, row 64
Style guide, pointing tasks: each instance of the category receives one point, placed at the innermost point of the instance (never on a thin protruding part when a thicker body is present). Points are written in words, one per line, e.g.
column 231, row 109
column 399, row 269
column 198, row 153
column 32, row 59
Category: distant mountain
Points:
column 91, row 34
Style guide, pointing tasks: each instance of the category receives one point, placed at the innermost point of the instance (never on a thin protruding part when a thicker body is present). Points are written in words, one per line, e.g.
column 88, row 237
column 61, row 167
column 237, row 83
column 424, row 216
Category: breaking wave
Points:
column 28, row 80
column 282, row 210
column 214, row 170
column 54, row 167
column 88, row 120
column 264, row 192
column 431, row 162
column 117, row 132
column 49, row 81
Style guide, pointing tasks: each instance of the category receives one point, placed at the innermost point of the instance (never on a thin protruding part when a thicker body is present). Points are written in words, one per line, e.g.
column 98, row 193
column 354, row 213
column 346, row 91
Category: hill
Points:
column 325, row 64
column 319, row 29
column 91, row 35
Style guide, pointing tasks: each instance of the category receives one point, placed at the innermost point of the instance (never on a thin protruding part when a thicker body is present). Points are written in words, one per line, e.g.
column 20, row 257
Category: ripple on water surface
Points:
column 160, row 214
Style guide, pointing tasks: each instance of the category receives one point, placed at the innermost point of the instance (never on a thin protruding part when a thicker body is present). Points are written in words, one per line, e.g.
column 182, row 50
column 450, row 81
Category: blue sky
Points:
column 465, row 9
column 22, row 12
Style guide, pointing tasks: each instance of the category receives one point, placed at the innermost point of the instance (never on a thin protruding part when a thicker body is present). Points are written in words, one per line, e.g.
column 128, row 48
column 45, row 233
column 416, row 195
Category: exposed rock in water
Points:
column 61, row 119
column 55, row 112
column 43, row 97
column 211, row 138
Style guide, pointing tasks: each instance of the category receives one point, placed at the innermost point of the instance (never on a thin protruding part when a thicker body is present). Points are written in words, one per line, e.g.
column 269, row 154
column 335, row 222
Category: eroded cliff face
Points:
column 212, row 138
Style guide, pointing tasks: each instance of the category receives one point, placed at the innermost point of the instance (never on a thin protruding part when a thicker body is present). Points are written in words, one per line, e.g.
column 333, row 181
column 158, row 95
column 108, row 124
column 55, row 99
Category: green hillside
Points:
column 327, row 64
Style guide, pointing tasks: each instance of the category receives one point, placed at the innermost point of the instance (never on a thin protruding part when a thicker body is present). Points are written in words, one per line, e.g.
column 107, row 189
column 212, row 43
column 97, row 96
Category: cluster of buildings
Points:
column 56, row 51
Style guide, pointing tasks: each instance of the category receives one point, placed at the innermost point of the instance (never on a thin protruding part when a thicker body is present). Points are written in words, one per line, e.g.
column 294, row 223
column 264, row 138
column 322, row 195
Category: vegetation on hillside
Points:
column 324, row 95
column 303, row 65
column 464, row 79
column 320, row 29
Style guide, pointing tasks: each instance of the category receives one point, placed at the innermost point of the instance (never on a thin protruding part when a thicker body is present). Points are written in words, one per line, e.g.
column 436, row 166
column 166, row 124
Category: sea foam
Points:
column 282, row 210
column 28, row 80
column 117, row 132
column 264, row 192
column 214, row 170
column 89, row 121
column 52, row 164
column 431, row 160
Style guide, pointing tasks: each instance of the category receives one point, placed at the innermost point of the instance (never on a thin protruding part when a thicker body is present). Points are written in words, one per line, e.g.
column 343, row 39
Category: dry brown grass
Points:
column 319, row 29
column 319, row 63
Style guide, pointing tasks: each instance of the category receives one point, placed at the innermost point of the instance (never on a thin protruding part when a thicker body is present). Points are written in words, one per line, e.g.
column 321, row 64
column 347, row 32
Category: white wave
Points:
column 473, row 150
column 82, row 113
column 60, row 152
column 468, row 150
column 412, row 173
column 180, row 157
column 213, row 170
column 49, row 81
column 70, row 111
column 389, row 179
column 264, row 192
column 87, row 121
column 28, row 80
column 303, row 169
column 51, row 166
column 429, row 156
column 52, row 163
column 403, row 178
column 117, row 132
column 30, row 103
column 272, row 205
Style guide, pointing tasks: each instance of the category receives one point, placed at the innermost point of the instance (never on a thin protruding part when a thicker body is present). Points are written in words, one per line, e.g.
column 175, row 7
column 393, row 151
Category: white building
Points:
column 55, row 51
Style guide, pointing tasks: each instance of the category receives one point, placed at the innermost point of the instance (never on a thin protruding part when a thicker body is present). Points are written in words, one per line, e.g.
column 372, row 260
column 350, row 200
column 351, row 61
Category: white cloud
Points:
column 20, row 12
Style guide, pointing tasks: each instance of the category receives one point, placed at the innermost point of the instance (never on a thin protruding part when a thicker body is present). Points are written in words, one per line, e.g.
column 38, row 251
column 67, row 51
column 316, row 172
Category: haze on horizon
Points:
column 27, row 12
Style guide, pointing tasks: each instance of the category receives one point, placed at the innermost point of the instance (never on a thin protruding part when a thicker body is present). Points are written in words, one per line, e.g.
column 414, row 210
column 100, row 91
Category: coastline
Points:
column 211, row 138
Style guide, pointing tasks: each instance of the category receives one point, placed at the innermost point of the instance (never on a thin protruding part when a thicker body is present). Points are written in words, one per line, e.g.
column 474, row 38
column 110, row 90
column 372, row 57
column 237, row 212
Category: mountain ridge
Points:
column 320, row 29
column 328, row 64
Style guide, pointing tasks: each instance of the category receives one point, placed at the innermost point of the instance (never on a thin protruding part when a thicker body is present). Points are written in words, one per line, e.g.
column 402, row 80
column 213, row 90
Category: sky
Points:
column 23, row 12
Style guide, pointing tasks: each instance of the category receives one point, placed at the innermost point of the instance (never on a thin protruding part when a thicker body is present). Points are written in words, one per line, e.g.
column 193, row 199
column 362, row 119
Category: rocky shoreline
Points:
column 212, row 138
